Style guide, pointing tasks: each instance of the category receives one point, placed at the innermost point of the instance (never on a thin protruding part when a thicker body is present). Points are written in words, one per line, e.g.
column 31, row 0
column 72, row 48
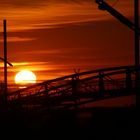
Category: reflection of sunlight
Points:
column 24, row 84
column 21, row 87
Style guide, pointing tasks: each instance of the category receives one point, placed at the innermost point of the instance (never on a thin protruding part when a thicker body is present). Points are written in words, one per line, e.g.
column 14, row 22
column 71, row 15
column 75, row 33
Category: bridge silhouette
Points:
column 60, row 106
column 79, row 88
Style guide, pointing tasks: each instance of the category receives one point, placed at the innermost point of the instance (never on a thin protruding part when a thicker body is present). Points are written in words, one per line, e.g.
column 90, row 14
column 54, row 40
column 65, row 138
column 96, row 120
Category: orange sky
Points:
column 54, row 37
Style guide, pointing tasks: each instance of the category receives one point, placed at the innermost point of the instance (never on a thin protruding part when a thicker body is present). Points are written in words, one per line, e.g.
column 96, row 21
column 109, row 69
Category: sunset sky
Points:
column 54, row 37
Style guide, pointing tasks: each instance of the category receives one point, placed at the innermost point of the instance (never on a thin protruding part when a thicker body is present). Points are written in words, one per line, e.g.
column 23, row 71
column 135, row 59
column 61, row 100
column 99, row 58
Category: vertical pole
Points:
column 136, row 18
column 5, row 59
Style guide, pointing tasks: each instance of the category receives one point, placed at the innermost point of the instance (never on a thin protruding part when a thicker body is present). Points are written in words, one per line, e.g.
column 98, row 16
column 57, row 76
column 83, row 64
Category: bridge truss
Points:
column 77, row 89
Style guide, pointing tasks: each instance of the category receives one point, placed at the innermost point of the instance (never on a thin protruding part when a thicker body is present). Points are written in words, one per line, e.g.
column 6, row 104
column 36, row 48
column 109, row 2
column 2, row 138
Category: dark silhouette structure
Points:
column 77, row 89
column 60, row 107
column 135, row 27
column 3, row 95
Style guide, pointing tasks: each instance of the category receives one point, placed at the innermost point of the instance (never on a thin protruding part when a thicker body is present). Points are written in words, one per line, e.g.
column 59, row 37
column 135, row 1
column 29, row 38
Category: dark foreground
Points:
column 96, row 123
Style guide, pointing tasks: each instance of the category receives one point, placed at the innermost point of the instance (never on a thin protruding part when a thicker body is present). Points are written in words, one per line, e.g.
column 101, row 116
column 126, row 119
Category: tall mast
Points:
column 5, row 58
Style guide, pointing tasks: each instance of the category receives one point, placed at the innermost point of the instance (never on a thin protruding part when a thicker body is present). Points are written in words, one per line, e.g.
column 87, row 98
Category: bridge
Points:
column 77, row 89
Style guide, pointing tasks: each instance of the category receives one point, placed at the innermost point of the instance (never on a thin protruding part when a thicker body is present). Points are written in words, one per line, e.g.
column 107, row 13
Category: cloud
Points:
column 43, row 52
column 21, row 3
column 37, row 14
column 17, row 39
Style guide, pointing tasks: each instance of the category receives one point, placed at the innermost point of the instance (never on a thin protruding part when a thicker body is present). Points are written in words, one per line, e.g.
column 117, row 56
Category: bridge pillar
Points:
column 47, row 95
column 101, row 84
column 75, row 81
column 46, row 89
column 128, row 81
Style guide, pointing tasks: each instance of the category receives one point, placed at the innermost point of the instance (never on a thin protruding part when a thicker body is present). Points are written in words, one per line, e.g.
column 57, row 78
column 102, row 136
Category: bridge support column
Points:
column 128, row 82
column 47, row 95
column 75, row 80
column 101, row 85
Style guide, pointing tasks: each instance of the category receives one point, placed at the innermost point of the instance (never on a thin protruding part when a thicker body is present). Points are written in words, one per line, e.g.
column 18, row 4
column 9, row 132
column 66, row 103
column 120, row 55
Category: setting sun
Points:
column 25, row 77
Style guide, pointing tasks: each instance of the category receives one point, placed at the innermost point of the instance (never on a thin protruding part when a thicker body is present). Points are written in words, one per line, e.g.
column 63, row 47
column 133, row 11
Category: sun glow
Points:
column 25, row 77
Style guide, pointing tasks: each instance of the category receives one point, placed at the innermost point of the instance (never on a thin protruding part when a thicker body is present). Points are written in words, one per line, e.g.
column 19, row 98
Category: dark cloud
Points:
column 21, row 3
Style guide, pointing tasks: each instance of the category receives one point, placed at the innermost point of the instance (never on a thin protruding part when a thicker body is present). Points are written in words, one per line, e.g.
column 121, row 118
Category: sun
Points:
column 25, row 77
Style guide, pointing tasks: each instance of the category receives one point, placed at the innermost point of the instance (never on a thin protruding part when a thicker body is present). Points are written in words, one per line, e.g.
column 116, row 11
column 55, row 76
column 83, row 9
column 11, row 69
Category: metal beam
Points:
column 136, row 34
column 102, row 5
